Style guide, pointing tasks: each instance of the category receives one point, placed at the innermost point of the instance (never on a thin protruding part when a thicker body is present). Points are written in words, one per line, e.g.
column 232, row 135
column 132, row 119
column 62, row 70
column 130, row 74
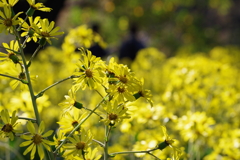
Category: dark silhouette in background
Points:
column 96, row 48
column 132, row 45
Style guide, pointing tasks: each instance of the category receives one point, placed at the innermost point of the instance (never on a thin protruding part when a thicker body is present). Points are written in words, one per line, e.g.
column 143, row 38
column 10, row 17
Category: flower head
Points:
column 36, row 6
column 7, row 21
column 36, row 140
column 9, row 124
column 70, row 101
column 89, row 71
column 46, row 31
column 10, row 3
column 28, row 28
column 114, row 113
column 11, row 49
column 79, row 144
column 68, row 121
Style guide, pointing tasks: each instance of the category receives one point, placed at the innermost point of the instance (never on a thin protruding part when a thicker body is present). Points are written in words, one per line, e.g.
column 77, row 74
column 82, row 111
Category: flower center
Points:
column 80, row 145
column 7, row 128
column 123, row 79
column 89, row 73
column 22, row 75
column 74, row 123
column 45, row 34
column 37, row 139
column 112, row 116
column 121, row 89
column 8, row 22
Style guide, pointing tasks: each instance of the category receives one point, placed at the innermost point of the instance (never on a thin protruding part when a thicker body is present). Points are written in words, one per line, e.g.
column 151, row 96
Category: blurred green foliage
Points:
column 168, row 24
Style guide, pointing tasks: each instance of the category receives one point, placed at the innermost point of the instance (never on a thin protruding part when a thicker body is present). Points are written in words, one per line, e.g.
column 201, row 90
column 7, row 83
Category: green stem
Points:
column 4, row 75
column 94, row 112
column 34, row 102
column 28, row 119
column 107, row 133
column 100, row 143
column 130, row 152
column 44, row 90
column 35, row 52
column 79, row 124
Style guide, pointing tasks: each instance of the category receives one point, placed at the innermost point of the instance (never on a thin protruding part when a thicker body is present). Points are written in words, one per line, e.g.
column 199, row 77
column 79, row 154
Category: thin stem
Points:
column 35, row 52
column 79, row 124
column 107, row 133
column 34, row 102
column 153, row 156
column 128, row 152
column 28, row 119
column 100, row 143
column 4, row 75
column 25, row 41
column 58, row 82
column 99, row 93
column 94, row 112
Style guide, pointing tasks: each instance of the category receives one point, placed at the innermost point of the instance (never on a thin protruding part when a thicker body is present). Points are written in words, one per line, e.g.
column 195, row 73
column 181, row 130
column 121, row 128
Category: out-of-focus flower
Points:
column 10, row 3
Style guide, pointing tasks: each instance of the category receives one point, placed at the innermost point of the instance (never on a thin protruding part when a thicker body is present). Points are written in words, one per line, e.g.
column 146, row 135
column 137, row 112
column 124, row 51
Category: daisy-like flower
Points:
column 36, row 6
column 9, row 124
column 10, row 3
column 68, row 121
column 120, row 93
column 126, row 78
column 27, row 28
column 114, row 113
column 144, row 93
column 89, row 71
column 70, row 101
column 58, row 138
column 36, row 140
column 10, row 56
column 89, row 155
column 45, row 31
column 79, row 144
column 7, row 21
column 169, row 142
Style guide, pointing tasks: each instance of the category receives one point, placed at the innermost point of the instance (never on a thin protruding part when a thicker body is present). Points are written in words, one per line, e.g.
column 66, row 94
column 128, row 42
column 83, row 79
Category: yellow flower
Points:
column 7, row 128
column 169, row 142
column 11, row 56
column 79, row 144
column 59, row 138
column 7, row 22
column 114, row 113
column 90, row 155
column 38, row 6
column 46, row 31
column 120, row 93
column 68, row 121
column 36, row 140
column 70, row 101
column 10, row 3
column 89, row 71
column 28, row 28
